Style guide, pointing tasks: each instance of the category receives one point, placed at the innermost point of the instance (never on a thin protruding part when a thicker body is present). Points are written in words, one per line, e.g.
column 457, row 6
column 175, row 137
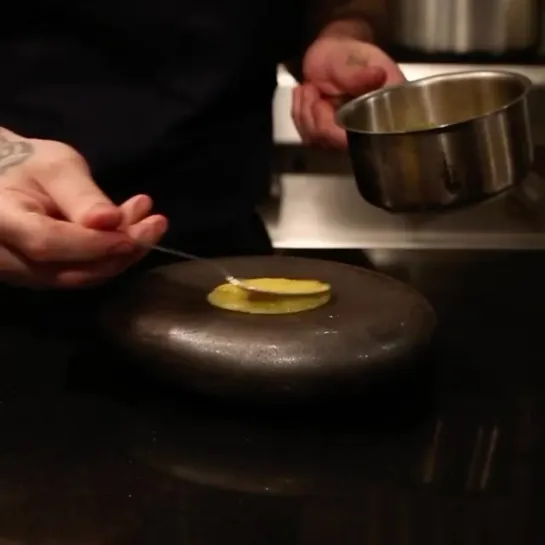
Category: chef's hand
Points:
column 335, row 69
column 57, row 228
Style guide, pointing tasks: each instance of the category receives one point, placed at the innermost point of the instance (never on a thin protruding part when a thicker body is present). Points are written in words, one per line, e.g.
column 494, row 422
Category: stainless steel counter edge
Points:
column 285, row 132
column 317, row 212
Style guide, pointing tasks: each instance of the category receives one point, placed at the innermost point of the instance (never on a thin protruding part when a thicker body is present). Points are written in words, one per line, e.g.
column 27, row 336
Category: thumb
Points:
column 355, row 79
column 78, row 197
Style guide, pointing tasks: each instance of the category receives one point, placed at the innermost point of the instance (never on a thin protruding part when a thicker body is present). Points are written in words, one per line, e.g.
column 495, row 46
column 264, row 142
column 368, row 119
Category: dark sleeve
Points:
column 319, row 13
column 314, row 15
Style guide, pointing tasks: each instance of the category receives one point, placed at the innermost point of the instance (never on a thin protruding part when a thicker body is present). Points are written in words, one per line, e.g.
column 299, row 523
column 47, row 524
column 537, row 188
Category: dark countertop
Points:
column 91, row 453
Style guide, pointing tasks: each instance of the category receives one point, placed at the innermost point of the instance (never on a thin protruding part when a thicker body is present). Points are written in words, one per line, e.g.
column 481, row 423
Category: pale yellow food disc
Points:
column 229, row 297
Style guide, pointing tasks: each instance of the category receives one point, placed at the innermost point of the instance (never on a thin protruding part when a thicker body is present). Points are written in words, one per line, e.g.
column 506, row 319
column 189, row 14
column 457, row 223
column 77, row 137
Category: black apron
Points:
column 166, row 97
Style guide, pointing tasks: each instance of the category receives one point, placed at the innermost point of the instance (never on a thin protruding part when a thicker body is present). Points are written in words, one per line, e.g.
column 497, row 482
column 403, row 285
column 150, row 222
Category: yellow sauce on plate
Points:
column 230, row 297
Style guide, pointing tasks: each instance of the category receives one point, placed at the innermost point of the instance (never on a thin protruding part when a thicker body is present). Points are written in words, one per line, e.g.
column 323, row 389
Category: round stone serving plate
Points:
column 373, row 326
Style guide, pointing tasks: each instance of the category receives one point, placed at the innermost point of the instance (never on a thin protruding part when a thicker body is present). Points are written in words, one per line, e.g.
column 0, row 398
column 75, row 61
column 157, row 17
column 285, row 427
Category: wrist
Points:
column 353, row 28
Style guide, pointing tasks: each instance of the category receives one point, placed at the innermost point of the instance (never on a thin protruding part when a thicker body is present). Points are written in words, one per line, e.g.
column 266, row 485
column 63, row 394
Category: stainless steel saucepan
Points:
column 443, row 141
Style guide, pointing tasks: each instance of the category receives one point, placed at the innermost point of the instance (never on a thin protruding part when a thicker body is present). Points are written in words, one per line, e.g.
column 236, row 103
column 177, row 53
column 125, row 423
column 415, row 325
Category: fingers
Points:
column 39, row 251
column 394, row 76
column 304, row 100
column 328, row 133
column 314, row 118
column 57, row 228
column 135, row 209
column 310, row 97
column 43, row 239
column 338, row 69
column 17, row 269
column 296, row 112
column 313, row 110
column 147, row 232
column 81, row 201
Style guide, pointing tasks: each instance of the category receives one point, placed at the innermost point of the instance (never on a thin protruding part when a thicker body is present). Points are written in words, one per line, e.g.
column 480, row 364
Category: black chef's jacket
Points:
column 166, row 97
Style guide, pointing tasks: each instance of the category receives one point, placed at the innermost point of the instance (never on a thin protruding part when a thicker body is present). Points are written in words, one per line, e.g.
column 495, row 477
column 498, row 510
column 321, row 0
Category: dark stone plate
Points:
column 373, row 325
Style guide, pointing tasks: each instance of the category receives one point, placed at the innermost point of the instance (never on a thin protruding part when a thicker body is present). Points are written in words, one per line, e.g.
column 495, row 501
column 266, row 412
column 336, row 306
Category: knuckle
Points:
column 54, row 147
column 19, row 195
column 38, row 248
column 55, row 157
column 41, row 245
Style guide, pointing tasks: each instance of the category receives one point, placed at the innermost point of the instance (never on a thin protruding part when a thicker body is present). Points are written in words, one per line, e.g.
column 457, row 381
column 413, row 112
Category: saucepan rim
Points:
column 346, row 109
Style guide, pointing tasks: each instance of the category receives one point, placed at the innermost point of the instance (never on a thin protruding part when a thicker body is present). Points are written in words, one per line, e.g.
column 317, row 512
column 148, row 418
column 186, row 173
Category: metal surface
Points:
column 440, row 142
column 372, row 327
column 326, row 211
column 466, row 26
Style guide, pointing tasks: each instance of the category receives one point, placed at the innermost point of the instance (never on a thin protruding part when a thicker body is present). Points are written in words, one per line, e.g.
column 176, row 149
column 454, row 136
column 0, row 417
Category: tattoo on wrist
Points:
column 355, row 60
column 13, row 152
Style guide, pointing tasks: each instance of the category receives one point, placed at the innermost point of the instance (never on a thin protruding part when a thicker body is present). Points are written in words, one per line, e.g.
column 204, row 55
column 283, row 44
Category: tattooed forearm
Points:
column 13, row 152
